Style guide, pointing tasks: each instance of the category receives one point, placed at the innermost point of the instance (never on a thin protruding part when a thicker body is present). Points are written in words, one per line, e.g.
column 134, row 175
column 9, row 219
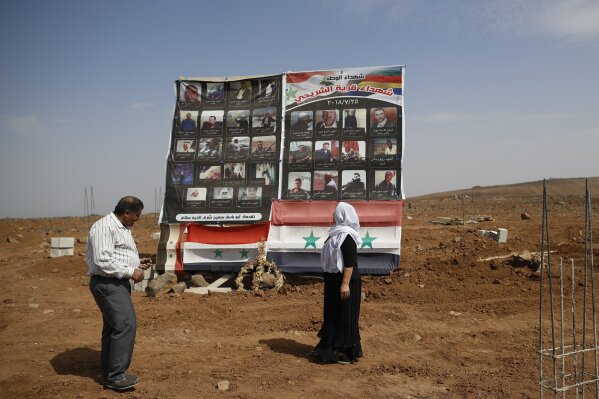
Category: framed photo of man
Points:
column 212, row 122
column 300, row 154
column 249, row 197
column 209, row 149
column 185, row 149
column 240, row 93
column 264, row 147
column 187, row 122
column 353, row 184
column 264, row 120
column 383, row 184
column 353, row 153
column 237, row 148
column 222, row 197
column 238, row 122
column 326, row 154
column 301, row 125
column 384, row 152
column 190, row 94
column 182, row 174
column 215, row 94
column 326, row 185
column 268, row 91
column 298, row 186
column 354, row 122
column 327, row 123
column 383, row 121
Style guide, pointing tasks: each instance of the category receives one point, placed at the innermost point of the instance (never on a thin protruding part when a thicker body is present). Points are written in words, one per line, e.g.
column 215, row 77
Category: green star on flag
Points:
column 218, row 253
column 367, row 240
column 244, row 253
column 311, row 240
column 291, row 93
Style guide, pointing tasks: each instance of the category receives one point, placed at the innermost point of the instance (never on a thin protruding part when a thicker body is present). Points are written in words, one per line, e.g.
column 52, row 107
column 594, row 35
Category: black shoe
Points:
column 343, row 359
column 123, row 382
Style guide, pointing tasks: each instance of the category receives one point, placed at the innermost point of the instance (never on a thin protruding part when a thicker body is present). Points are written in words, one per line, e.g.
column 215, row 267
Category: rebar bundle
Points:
column 572, row 367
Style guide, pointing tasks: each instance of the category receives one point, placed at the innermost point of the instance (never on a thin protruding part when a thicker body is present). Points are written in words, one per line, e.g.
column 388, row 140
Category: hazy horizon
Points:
column 499, row 92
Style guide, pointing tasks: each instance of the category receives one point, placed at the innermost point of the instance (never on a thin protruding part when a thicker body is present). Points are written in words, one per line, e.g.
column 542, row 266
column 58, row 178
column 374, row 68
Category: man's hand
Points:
column 145, row 263
column 138, row 275
column 344, row 292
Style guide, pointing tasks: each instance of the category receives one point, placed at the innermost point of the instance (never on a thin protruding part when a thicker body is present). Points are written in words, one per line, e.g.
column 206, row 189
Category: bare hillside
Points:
column 555, row 188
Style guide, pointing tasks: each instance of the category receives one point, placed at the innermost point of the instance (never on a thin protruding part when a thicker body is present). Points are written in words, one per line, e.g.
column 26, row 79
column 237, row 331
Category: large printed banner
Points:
column 223, row 159
column 268, row 158
column 344, row 134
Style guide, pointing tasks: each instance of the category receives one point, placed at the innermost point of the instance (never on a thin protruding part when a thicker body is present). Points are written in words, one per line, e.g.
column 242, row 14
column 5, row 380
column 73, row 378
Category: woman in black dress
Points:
column 340, row 334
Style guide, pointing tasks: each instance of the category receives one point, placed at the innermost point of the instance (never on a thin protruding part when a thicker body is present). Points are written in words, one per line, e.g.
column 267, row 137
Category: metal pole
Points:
column 543, row 216
column 551, row 305
column 574, row 329
column 588, row 243
column 561, row 303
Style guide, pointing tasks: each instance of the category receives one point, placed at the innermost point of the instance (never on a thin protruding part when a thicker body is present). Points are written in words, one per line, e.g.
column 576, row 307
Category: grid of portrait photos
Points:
column 225, row 146
column 343, row 152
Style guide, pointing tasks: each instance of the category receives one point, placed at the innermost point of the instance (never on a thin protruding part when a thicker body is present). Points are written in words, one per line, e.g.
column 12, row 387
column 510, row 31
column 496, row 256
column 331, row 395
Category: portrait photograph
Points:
column 300, row 154
column 188, row 121
column 326, row 184
column 298, row 186
column 326, row 153
column 185, row 146
column 327, row 123
column 264, row 147
column 238, row 122
column 264, row 120
column 215, row 94
column 301, row 125
column 190, row 94
column 182, row 173
column 384, row 146
column 240, row 93
column 249, row 197
column 353, row 184
column 268, row 91
column 383, row 118
column 354, row 122
column 237, row 148
column 353, row 152
column 222, row 193
column 383, row 184
column 212, row 121
column 209, row 148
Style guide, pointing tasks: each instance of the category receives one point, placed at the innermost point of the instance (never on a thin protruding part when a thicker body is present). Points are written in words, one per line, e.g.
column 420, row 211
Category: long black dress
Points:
column 340, row 333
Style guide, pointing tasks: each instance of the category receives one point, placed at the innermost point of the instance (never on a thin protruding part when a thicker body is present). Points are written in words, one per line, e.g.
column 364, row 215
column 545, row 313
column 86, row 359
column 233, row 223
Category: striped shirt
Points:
column 111, row 250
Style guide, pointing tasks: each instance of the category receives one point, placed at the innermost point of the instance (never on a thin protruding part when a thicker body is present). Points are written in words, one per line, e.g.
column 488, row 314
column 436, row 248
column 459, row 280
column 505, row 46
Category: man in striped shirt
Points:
column 112, row 260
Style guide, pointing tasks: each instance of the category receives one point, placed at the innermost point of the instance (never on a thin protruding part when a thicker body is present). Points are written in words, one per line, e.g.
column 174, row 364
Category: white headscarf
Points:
column 346, row 222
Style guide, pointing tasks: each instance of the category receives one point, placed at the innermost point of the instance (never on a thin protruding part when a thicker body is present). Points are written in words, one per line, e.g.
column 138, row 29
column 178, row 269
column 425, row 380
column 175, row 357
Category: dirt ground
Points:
column 444, row 325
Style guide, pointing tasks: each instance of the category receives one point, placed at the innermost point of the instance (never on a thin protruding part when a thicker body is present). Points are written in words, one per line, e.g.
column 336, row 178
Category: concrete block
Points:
column 502, row 236
column 63, row 242
column 141, row 286
column 56, row 252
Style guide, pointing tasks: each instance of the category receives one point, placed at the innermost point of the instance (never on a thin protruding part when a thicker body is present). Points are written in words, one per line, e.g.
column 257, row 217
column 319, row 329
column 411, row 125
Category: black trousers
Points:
column 113, row 297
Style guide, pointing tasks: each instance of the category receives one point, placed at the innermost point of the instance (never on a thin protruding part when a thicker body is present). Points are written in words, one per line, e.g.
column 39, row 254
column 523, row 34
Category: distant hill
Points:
column 555, row 187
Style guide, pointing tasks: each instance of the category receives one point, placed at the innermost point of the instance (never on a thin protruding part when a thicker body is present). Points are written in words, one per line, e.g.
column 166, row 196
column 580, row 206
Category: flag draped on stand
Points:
column 299, row 229
column 222, row 248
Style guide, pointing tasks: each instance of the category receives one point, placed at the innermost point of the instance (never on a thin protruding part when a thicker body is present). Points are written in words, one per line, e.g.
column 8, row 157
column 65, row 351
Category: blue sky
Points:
column 496, row 92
